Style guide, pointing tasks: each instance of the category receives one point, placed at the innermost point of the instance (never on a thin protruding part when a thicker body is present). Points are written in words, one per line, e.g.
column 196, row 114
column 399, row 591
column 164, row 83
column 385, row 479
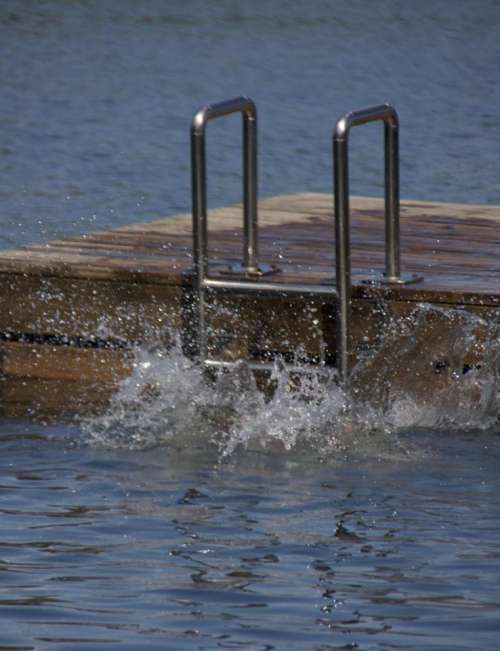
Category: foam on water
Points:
column 435, row 368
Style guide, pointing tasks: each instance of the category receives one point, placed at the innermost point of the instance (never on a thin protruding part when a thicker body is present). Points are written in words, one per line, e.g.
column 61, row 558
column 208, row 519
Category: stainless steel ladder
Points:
column 248, row 278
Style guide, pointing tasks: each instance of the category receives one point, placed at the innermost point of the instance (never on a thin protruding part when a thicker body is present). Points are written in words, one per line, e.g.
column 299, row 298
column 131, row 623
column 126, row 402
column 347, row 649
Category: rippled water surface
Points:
column 174, row 548
column 212, row 517
column 97, row 98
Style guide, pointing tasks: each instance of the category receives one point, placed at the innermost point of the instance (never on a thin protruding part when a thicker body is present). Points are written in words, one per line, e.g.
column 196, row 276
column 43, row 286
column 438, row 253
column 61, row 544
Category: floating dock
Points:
column 73, row 310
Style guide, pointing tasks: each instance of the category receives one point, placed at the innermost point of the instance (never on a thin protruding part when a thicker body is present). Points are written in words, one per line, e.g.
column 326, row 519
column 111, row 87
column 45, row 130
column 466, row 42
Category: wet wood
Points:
column 45, row 304
column 90, row 297
column 43, row 380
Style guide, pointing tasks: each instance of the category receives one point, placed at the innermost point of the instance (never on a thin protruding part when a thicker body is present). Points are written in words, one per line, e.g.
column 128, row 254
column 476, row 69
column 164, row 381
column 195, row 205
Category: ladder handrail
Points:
column 249, row 283
column 247, row 108
column 389, row 116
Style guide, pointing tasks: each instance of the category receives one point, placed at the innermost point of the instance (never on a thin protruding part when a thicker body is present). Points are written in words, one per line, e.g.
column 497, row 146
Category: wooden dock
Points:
column 72, row 310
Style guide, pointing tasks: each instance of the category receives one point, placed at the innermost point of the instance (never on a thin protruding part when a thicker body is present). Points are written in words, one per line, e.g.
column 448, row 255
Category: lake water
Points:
column 174, row 548
column 97, row 99
column 195, row 517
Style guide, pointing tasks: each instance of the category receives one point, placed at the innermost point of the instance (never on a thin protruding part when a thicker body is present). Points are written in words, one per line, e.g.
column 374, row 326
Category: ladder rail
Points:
column 247, row 108
column 266, row 287
column 269, row 367
column 248, row 282
column 388, row 115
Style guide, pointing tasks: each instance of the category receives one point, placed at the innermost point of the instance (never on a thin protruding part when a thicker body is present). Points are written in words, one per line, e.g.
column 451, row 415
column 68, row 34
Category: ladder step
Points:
column 270, row 366
column 266, row 287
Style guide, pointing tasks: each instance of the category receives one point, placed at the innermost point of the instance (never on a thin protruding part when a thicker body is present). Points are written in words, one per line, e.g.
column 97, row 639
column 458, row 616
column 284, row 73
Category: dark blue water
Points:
column 97, row 97
column 174, row 549
column 380, row 542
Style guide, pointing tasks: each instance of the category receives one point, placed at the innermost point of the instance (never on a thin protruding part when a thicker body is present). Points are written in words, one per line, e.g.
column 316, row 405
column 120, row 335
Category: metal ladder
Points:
column 250, row 272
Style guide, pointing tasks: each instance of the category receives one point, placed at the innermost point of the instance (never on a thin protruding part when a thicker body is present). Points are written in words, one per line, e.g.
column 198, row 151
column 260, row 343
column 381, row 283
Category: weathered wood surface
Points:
column 451, row 244
column 44, row 380
column 131, row 284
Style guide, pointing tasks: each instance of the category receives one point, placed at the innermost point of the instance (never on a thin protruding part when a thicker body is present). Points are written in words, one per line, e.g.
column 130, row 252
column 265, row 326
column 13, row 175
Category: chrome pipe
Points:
column 391, row 190
column 250, row 244
column 247, row 108
column 342, row 259
column 200, row 250
column 387, row 114
column 265, row 287
column 264, row 366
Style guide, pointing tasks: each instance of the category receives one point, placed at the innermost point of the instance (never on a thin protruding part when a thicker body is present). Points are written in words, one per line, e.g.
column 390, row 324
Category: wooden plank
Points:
column 52, row 399
column 89, row 309
column 46, row 381
column 129, row 253
column 63, row 362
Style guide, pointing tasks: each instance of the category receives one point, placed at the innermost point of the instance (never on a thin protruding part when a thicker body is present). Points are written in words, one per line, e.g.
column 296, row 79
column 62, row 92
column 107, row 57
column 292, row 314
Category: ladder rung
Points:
column 268, row 366
column 266, row 287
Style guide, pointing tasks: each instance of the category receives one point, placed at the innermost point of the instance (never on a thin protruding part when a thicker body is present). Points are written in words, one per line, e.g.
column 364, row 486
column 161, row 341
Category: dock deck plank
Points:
column 444, row 242
column 455, row 247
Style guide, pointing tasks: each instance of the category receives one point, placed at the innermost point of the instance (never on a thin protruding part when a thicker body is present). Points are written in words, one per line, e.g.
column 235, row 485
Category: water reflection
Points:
column 97, row 99
column 259, row 551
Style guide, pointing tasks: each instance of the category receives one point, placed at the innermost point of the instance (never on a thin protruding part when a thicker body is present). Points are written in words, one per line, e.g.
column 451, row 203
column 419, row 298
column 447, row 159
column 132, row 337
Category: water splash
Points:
column 434, row 368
